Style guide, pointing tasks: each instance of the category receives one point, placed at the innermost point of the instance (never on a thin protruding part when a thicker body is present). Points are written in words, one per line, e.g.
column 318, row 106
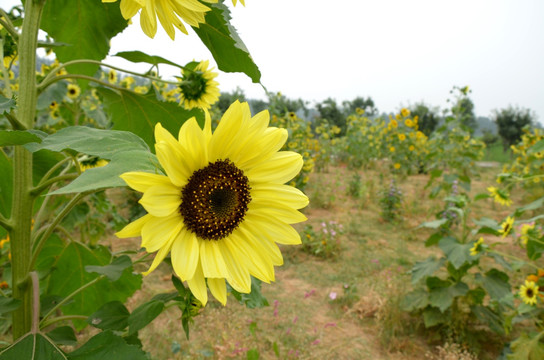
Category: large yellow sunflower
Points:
column 169, row 12
column 222, row 205
column 198, row 87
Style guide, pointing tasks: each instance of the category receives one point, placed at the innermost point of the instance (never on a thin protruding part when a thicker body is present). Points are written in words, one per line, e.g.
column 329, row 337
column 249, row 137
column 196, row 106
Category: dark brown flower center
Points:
column 215, row 199
column 529, row 293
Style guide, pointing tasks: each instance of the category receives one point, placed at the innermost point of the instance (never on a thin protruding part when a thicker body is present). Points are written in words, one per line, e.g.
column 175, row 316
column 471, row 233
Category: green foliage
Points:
column 390, row 200
column 324, row 242
column 510, row 123
column 33, row 347
column 427, row 117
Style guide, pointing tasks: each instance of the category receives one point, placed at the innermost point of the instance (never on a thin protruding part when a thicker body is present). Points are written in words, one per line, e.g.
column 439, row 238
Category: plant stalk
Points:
column 22, row 203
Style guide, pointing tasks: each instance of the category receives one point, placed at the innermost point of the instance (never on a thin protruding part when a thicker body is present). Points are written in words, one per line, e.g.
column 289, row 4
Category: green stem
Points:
column 69, row 297
column 43, row 238
column 22, row 201
column 62, row 318
column 35, row 301
column 5, row 223
column 41, row 187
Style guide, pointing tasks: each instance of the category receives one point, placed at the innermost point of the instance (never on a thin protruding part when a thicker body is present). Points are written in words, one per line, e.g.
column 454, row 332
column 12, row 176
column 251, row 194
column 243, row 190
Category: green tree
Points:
column 510, row 123
column 463, row 109
column 329, row 110
column 227, row 98
column 367, row 105
column 427, row 117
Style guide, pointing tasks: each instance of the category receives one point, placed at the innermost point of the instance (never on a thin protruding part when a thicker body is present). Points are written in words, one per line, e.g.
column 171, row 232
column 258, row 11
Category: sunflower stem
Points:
column 22, row 200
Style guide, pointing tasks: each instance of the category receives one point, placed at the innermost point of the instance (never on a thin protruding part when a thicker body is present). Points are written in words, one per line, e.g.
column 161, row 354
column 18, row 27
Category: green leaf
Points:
column 432, row 317
column 144, row 314
column 442, row 293
column 107, row 345
column 496, row 284
column 433, row 224
column 481, row 196
column 68, row 274
column 426, row 268
column 532, row 206
column 527, row 348
column 139, row 113
column 254, row 299
column 253, row 354
column 63, row 335
column 489, row 317
column 114, row 270
column 221, row 38
column 108, row 176
column 17, row 137
column 138, row 57
column 486, row 222
column 55, row 92
column 90, row 141
column 6, row 105
column 111, row 316
column 86, row 26
column 415, row 300
column 33, row 347
column 8, row 304
column 456, row 253
column 537, row 147
column 434, row 239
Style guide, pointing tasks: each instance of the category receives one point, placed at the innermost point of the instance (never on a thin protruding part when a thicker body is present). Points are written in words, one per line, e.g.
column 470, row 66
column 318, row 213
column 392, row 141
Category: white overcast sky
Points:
column 396, row 51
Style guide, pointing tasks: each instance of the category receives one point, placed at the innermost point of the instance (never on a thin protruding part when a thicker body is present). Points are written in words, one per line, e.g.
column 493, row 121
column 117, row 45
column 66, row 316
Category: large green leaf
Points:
column 33, row 347
column 90, row 141
column 111, row 316
column 496, row 284
column 112, row 271
column 86, row 26
column 221, row 38
column 456, row 253
column 138, row 56
column 139, row 113
column 426, row 268
column 442, row 293
column 6, row 105
column 108, row 176
column 144, row 314
column 415, row 300
column 527, row 348
column 68, row 274
column 18, row 137
column 8, row 304
column 107, row 345
column 432, row 316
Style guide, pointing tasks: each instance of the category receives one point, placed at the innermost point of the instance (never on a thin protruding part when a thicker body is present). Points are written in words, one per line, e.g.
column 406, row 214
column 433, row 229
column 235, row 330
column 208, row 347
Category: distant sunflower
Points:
column 169, row 12
column 90, row 162
column 478, row 247
column 507, row 226
column 529, row 292
column 73, row 91
column 500, row 196
column 222, row 205
column 198, row 87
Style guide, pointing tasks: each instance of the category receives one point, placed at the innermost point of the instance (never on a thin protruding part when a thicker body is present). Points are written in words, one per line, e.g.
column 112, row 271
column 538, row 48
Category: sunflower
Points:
column 478, row 247
column 73, row 91
column 198, row 87
column 222, row 206
column 169, row 12
column 501, row 196
column 529, row 292
column 90, row 162
column 506, row 226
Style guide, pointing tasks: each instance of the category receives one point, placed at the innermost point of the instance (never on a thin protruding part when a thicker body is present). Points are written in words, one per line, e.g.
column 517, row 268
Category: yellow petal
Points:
column 185, row 254
column 261, row 245
column 161, row 200
column 159, row 257
column 258, row 266
column 265, row 145
column 277, row 210
column 282, row 167
column 134, row 228
column 157, row 232
column 192, row 138
column 218, row 289
column 239, row 277
column 141, row 181
column 277, row 231
column 288, row 195
column 197, row 284
column 212, row 260
column 148, row 21
column 226, row 133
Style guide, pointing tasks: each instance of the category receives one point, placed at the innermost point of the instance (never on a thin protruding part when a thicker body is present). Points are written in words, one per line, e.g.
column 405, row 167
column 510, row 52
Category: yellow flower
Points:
column 507, row 226
column 394, row 123
column 112, row 76
column 222, row 206
column 525, row 230
column 169, row 12
column 392, row 149
column 53, row 106
column 408, row 122
column 529, row 292
column 402, row 137
column 91, row 162
column 397, row 166
column 241, row 2
column 73, row 91
column 4, row 241
column 359, row 111
column 500, row 196
column 412, row 148
column 405, row 112
column 477, row 248
column 198, row 87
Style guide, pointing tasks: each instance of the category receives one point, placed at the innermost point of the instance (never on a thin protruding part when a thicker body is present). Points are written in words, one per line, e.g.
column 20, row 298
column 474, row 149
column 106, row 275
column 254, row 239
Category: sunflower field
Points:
column 141, row 220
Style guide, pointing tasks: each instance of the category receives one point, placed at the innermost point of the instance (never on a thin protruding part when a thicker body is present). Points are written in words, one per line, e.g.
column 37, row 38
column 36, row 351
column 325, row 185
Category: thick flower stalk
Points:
column 222, row 205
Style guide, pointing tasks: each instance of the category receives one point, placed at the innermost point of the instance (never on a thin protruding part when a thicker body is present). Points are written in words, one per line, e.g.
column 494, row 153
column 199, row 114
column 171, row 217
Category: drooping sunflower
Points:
column 506, row 226
column 500, row 196
column 222, row 205
column 169, row 12
column 478, row 247
column 529, row 292
column 198, row 87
